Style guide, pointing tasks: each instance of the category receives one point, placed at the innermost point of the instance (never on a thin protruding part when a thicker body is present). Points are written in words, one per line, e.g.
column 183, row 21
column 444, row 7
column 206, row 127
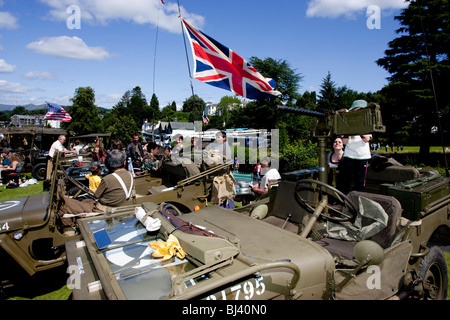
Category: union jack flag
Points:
column 56, row 112
column 221, row 67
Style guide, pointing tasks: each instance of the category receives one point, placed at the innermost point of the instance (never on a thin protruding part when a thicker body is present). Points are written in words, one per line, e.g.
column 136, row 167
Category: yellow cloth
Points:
column 167, row 249
column 94, row 181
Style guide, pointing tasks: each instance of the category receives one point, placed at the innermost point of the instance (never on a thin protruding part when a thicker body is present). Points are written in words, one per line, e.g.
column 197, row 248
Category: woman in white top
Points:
column 353, row 167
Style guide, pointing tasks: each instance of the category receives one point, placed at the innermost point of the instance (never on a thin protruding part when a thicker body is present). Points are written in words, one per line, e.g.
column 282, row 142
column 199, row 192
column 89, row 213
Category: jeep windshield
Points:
column 122, row 245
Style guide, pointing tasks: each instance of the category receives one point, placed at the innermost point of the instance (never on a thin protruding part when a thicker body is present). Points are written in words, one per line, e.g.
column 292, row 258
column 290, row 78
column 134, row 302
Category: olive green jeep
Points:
column 303, row 240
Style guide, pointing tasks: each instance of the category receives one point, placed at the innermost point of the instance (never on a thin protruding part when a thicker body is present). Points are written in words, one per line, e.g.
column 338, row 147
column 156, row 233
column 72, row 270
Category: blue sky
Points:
column 43, row 58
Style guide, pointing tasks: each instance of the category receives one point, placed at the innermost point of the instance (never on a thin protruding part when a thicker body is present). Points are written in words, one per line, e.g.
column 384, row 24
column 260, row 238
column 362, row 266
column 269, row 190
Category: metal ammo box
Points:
column 419, row 196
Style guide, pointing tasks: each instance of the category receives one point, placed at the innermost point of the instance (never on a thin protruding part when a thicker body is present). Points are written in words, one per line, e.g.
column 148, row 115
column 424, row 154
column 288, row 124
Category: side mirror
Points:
column 368, row 252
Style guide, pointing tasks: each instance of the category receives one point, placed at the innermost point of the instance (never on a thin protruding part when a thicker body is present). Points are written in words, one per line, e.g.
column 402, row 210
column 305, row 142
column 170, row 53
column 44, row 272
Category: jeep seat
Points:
column 393, row 209
column 286, row 210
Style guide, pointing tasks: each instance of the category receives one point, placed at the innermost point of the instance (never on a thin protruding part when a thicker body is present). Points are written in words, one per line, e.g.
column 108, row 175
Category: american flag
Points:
column 219, row 66
column 205, row 118
column 56, row 112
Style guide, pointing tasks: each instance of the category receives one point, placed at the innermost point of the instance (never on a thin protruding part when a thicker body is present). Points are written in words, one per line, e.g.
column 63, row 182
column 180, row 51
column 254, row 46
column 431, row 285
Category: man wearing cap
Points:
column 353, row 167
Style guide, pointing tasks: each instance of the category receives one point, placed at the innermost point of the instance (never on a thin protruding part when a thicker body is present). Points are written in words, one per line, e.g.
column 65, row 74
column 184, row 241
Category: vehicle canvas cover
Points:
column 417, row 195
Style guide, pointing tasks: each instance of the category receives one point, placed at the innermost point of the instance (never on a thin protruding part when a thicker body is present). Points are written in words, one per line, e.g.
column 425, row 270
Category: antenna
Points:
column 187, row 59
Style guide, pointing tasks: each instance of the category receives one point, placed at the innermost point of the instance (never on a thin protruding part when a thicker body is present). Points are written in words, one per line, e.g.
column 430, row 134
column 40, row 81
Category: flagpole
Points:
column 187, row 59
column 156, row 45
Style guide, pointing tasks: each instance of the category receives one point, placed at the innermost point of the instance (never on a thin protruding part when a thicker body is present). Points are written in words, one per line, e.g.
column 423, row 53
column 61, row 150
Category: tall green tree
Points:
column 195, row 106
column 85, row 114
column 168, row 112
column 332, row 97
column 225, row 107
column 287, row 79
column 419, row 67
column 138, row 108
column 153, row 111
column 20, row 110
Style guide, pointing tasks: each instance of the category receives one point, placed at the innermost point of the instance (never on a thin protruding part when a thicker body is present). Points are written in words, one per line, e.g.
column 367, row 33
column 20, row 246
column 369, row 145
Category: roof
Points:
column 177, row 125
column 32, row 130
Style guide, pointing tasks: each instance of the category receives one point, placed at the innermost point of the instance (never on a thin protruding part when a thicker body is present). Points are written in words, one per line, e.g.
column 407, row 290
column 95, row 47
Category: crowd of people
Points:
column 10, row 167
column 348, row 162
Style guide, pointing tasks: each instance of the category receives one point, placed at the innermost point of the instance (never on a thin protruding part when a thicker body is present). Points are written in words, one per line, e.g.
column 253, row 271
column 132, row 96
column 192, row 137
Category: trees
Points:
column 85, row 114
column 333, row 98
column 120, row 121
column 418, row 62
column 263, row 114
column 194, row 105
column 225, row 107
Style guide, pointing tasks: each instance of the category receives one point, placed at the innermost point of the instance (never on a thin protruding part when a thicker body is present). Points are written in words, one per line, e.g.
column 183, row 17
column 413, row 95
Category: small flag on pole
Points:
column 205, row 118
column 56, row 112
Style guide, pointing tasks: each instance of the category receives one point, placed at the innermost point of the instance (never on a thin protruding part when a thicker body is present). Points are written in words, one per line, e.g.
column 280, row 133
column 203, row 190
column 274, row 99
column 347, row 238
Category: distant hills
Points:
column 31, row 107
column 8, row 107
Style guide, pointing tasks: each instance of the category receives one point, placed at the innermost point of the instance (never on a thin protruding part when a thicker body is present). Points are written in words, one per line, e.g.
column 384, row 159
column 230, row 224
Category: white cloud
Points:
column 14, row 87
column 67, row 47
column 138, row 11
column 6, row 67
column 7, row 21
column 348, row 8
column 39, row 75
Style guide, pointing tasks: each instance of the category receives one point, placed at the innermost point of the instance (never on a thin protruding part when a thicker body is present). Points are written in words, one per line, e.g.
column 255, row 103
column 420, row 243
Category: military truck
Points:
column 303, row 240
column 32, row 144
column 32, row 239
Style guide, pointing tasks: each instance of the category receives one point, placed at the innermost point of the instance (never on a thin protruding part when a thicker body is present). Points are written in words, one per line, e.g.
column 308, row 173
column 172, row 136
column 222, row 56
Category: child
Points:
column 94, row 178
column 258, row 170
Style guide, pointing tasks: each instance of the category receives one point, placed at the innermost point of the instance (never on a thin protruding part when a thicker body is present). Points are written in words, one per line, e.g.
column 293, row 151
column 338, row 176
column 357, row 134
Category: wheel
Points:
column 309, row 194
column 433, row 272
column 40, row 171
column 172, row 209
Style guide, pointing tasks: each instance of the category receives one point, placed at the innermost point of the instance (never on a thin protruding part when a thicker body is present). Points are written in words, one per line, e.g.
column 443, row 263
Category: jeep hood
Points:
column 23, row 212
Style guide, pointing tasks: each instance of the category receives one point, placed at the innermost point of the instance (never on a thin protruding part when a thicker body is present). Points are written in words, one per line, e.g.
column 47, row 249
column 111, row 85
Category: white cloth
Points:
column 56, row 146
column 357, row 148
column 151, row 224
column 271, row 175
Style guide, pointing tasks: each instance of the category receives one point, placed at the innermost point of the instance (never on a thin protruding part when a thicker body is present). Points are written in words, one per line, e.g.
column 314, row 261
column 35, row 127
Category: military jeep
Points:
column 303, row 240
column 31, row 236
column 31, row 145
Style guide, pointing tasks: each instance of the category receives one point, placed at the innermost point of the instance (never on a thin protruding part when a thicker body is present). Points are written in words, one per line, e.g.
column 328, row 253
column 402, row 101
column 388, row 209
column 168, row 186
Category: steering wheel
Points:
column 321, row 189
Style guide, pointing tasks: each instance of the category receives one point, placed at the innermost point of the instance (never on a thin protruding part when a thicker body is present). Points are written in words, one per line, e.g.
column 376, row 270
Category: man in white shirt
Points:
column 270, row 175
column 58, row 146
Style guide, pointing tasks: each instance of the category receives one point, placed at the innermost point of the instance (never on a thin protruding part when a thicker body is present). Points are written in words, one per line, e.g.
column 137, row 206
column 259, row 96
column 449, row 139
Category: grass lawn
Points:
column 30, row 190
